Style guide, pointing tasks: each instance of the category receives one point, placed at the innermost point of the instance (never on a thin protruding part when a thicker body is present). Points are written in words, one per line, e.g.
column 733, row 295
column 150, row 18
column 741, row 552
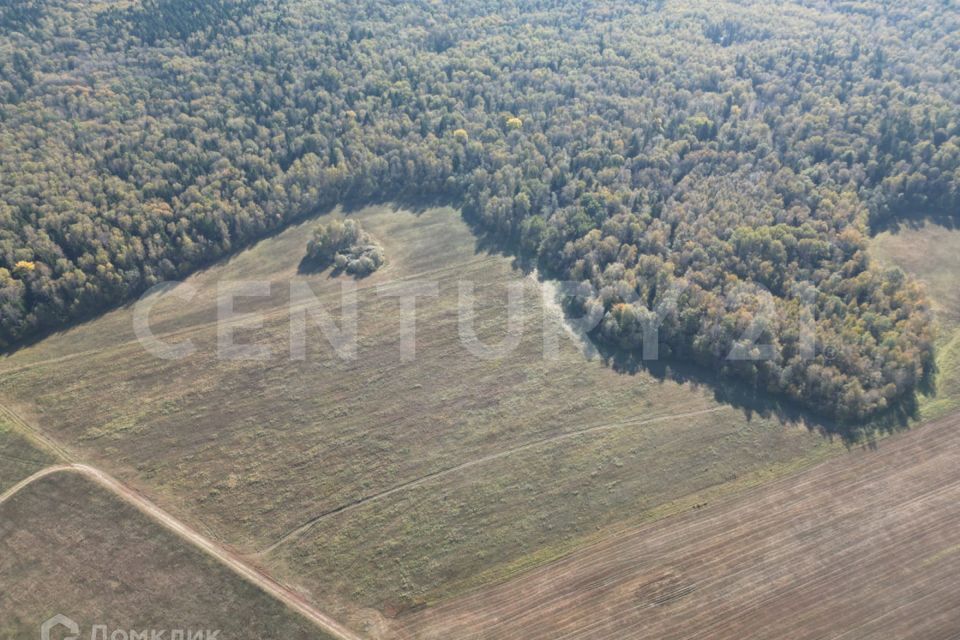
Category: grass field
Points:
column 378, row 485
column 19, row 458
column 69, row 547
column 866, row 546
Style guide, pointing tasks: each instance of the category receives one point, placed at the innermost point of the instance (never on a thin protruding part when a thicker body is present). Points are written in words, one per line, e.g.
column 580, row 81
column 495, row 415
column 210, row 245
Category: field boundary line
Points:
column 34, row 434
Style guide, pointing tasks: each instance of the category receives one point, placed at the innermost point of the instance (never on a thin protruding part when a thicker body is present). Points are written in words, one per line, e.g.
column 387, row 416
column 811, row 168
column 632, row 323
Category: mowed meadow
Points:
column 378, row 485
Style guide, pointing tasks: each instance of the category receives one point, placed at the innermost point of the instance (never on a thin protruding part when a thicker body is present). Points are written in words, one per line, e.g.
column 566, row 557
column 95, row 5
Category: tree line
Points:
column 743, row 151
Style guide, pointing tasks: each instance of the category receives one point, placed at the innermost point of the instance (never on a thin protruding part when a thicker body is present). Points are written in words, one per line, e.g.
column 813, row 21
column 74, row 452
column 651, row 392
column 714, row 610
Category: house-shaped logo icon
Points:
column 59, row 620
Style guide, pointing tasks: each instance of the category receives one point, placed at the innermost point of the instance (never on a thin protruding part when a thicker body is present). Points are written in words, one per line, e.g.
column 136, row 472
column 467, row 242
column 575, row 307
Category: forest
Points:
column 731, row 158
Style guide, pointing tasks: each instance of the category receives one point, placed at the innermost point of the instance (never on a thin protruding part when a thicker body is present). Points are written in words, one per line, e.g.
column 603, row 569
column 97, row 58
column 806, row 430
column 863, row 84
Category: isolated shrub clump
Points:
column 346, row 246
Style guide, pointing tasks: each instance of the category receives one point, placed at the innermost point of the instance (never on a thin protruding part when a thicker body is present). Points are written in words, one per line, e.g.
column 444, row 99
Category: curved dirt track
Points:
column 227, row 557
column 296, row 533
column 862, row 546
column 43, row 473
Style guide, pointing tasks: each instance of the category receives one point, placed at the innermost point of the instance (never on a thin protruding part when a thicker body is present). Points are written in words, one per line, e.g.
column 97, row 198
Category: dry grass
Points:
column 19, row 458
column 421, row 479
column 67, row 546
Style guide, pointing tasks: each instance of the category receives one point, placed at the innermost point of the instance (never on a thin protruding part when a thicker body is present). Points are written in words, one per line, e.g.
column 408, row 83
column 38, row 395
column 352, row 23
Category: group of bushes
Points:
column 345, row 246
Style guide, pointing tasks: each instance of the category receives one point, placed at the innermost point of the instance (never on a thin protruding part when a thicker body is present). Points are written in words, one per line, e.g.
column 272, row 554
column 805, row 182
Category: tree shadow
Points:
column 755, row 402
column 61, row 326
column 314, row 266
column 411, row 202
column 752, row 401
column 311, row 265
column 912, row 221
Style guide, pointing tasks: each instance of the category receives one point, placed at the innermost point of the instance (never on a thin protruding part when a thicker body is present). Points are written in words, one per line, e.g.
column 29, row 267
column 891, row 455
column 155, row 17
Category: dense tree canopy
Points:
column 345, row 246
column 732, row 156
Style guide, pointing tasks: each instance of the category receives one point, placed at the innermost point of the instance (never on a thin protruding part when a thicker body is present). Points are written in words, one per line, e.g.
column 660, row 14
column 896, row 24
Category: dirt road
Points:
column 43, row 473
column 232, row 560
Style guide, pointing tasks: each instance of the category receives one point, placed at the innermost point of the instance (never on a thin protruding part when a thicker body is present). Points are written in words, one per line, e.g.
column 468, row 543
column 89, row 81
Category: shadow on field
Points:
column 737, row 393
column 756, row 402
column 910, row 219
column 751, row 400
column 313, row 266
